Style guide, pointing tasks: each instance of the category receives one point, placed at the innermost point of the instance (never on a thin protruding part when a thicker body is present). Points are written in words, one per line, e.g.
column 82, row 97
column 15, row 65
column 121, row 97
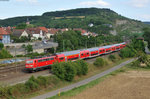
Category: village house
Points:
column 4, row 36
column 39, row 32
column 20, row 33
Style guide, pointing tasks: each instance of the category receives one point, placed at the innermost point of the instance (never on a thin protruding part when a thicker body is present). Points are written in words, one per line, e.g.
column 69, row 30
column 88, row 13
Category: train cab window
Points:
column 87, row 53
column 61, row 58
column 81, row 54
column 35, row 61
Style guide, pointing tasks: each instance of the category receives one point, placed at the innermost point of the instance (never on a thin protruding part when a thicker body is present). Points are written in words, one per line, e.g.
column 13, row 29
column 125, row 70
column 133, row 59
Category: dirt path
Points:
column 130, row 85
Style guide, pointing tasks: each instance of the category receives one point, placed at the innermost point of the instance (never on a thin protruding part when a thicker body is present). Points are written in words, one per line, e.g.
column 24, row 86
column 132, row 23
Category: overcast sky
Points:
column 135, row 9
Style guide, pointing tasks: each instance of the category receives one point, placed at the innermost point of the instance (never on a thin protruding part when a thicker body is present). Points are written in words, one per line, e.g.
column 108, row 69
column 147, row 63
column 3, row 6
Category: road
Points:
column 83, row 82
column 146, row 48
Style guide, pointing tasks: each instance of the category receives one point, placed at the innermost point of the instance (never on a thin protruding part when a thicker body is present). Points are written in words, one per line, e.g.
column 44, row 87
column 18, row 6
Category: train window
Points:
column 81, row 54
column 35, row 61
column 29, row 62
column 87, row 53
column 52, row 58
column 40, row 60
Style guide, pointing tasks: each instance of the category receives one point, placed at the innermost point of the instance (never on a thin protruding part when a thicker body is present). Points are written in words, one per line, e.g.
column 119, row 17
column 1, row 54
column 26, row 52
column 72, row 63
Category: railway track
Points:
column 14, row 68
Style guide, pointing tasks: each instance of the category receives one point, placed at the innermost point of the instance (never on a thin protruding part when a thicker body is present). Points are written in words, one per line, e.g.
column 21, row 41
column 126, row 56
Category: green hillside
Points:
column 104, row 21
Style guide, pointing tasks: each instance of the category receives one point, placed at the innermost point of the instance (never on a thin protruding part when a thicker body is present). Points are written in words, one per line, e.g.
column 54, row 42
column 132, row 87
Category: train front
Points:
column 30, row 65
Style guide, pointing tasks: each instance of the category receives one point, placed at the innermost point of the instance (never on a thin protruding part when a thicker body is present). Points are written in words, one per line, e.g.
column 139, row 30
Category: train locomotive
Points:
column 40, row 63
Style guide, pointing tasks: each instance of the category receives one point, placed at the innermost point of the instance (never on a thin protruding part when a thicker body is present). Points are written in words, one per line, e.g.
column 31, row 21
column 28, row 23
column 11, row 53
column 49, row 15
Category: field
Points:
column 132, row 84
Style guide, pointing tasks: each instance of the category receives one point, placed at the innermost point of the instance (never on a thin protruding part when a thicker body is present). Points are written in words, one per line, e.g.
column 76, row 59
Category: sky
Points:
column 134, row 9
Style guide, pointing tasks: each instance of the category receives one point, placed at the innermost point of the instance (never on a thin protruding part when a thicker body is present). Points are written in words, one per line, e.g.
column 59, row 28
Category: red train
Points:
column 35, row 64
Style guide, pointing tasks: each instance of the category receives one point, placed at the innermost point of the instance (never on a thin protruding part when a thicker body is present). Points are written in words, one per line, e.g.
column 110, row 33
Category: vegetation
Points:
column 23, row 39
column 1, row 46
column 133, row 49
column 112, row 58
column 29, row 48
column 33, row 84
column 68, row 70
column 100, row 62
column 147, row 35
column 72, row 40
column 5, row 54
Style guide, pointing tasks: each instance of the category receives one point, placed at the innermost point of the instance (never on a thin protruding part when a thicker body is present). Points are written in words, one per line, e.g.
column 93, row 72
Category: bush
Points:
column 84, row 67
column 70, row 71
column 78, row 68
column 135, row 63
column 99, row 62
column 67, row 70
column 112, row 58
column 59, row 70
column 5, row 54
column 127, row 52
column 42, row 81
column 32, row 83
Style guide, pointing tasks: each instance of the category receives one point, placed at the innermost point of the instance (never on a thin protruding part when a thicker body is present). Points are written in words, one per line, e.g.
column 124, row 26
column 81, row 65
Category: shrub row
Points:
column 68, row 70
column 32, row 85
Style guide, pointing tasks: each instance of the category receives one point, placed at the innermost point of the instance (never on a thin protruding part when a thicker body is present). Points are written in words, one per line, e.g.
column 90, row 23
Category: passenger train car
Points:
column 35, row 64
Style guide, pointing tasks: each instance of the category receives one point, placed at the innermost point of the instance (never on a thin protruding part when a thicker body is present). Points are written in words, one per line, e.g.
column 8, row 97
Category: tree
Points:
column 29, row 48
column 1, row 46
column 21, row 26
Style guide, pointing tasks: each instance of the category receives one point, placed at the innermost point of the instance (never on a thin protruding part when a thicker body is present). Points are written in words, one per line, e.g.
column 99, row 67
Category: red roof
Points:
column 3, row 32
column 53, row 31
column 43, row 29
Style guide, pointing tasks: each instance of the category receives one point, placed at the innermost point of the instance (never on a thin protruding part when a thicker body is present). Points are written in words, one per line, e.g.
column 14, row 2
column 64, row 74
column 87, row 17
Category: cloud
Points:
column 139, row 3
column 95, row 3
column 30, row 1
column 145, row 16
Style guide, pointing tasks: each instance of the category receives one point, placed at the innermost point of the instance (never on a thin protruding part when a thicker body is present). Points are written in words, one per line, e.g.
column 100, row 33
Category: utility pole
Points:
column 15, row 58
column 95, row 41
column 63, row 46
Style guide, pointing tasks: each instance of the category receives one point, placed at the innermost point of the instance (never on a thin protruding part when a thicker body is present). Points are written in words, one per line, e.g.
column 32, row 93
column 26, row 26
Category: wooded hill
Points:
column 104, row 21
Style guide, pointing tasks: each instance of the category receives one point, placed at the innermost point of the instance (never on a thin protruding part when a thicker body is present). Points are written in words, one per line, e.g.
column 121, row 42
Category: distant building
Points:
column 4, row 36
column 20, row 33
column 39, row 32
column 28, row 22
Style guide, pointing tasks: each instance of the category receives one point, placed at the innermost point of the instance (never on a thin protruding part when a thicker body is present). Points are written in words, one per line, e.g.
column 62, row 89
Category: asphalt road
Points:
column 83, row 82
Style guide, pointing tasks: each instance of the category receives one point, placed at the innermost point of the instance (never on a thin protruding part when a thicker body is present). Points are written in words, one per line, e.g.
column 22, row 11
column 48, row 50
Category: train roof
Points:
column 70, row 52
column 108, row 46
column 93, row 49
